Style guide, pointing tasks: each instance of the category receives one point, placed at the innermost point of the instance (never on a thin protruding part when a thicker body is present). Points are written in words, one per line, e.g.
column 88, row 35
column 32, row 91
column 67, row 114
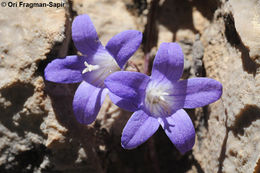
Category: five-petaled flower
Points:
column 159, row 99
column 92, row 68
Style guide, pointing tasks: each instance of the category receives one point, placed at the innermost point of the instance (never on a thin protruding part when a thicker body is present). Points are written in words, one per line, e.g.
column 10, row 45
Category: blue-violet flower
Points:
column 158, row 99
column 92, row 68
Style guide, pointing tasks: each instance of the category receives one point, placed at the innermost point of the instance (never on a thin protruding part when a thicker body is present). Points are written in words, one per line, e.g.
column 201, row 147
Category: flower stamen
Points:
column 89, row 67
column 158, row 99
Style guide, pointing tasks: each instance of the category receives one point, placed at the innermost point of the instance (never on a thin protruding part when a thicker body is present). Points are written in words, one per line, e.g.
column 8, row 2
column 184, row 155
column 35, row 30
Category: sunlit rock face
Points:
column 233, row 122
column 247, row 21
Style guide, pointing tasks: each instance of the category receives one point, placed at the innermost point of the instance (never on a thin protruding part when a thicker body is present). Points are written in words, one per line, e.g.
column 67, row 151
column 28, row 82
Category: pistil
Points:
column 158, row 99
column 89, row 67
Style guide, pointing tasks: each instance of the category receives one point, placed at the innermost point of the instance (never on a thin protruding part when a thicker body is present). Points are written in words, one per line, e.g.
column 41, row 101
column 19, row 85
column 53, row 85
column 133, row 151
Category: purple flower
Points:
column 92, row 68
column 159, row 99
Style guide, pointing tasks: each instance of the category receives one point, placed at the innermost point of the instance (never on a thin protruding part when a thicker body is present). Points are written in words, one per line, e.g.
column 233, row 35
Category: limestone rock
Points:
column 26, row 36
column 247, row 13
column 229, row 142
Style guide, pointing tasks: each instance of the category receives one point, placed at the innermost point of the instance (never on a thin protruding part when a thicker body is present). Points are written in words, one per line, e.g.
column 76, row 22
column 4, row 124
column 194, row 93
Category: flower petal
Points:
column 168, row 62
column 199, row 91
column 123, row 45
column 67, row 70
column 87, row 102
column 128, row 85
column 138, row 129
column 123, row 103
column 84, row 35
column 179, row 128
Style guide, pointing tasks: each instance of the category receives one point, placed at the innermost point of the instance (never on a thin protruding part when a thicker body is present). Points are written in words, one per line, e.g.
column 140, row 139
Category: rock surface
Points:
column 250, row 35
column 230, row 141
column 26, row 36
column 38, row 131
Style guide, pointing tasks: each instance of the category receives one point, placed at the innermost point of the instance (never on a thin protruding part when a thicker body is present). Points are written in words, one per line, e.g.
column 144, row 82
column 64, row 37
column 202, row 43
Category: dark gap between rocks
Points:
column 27, row 161
column 150, row 36
column 137, row 5
column 206, row 113
column 174, row 160
column 222, row 155
column 207, row 8
column 197, row 165
column 179, row 18
column 60, row 49
column 17, row 94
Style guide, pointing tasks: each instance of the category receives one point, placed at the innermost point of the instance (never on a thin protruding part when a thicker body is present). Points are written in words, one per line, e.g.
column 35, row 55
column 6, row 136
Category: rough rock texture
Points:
column 250, row 35
column 230, row 141
column 38, row 131
column 25, row 39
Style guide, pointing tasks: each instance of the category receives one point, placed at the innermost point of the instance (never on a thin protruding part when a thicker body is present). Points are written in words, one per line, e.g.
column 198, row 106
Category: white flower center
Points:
column 98, row 67
column 89, row 67
column 158, row 99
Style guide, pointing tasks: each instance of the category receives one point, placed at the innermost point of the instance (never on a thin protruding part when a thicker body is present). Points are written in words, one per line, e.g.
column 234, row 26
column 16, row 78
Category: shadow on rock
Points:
column 234, row 39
